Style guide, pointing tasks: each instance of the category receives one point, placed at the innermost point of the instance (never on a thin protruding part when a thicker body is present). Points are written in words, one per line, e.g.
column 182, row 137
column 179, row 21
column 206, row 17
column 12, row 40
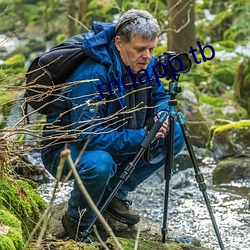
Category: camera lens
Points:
column 186, row 63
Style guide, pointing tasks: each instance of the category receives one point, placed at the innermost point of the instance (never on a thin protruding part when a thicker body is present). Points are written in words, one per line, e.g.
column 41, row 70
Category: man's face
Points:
column 137, row 53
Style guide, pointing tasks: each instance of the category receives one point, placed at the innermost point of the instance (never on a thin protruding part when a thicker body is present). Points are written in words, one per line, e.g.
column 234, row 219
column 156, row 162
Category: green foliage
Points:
column 230, row 21
column 17, row 60
column 228, row 45
column 224, row 75
column 218, row 103
column 214, row 101
column 160, row 50
column 242, row 84
column 12, row 66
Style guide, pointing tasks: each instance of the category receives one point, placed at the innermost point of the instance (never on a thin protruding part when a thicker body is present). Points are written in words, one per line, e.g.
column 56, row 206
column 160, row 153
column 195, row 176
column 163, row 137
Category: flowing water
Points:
column 187, row 212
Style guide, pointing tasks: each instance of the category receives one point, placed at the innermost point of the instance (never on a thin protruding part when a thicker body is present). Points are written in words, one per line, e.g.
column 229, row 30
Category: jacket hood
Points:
column 98, row 42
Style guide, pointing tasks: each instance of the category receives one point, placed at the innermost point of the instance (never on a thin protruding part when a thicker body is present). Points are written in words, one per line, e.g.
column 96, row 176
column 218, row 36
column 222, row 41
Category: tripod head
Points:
column 174, row 89
column 175, row 64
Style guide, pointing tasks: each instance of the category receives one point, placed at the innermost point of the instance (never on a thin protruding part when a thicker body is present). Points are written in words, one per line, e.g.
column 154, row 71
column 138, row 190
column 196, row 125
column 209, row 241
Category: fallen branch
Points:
column 66, row 155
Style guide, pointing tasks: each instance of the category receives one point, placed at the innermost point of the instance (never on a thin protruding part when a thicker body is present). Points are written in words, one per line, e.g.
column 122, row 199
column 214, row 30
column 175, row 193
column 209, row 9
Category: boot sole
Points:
column 121, row 219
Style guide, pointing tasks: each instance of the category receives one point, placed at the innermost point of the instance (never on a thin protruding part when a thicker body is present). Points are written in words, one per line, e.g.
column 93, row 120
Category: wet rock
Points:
column 232, row 139
column 181, row 179
column 150, row 234
column 231, row 169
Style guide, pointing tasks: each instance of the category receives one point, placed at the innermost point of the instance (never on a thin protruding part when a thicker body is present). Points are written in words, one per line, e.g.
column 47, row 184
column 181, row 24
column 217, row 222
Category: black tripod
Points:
column 129, row 168
column 173, row 90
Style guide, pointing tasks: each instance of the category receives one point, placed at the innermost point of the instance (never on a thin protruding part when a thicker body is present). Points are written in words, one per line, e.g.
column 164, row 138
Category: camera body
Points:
column 170, row 64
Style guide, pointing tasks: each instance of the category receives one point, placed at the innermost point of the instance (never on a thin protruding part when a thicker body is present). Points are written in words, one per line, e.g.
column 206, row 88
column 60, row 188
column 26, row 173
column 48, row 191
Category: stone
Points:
column 231, row 169
column 230, row 140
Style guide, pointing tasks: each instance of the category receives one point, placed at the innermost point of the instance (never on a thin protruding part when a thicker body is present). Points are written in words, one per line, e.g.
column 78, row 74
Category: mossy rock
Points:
column 232, row 139
column 128, row 244
column 150, row 235
column 10, row 231
column 219, row 107
column 22, row 200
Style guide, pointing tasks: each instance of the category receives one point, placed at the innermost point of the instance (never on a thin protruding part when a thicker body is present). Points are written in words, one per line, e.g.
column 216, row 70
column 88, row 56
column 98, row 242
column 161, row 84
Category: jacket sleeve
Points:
column 88, row 117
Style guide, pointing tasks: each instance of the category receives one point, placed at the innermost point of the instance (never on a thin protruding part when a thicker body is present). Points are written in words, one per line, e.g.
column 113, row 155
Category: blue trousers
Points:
column 100, row 170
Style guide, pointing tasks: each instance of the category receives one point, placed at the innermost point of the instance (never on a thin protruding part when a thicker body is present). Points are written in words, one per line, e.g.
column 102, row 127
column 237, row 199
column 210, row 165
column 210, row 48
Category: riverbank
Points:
column 188, row 215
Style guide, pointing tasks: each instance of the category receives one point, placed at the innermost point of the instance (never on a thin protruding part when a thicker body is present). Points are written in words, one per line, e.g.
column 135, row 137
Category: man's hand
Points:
column 164, row 128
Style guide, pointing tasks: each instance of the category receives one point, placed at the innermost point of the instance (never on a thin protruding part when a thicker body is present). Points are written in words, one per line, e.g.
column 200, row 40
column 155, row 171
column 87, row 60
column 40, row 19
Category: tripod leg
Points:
column 168, row 173
column 199, row 177
column 129, row 168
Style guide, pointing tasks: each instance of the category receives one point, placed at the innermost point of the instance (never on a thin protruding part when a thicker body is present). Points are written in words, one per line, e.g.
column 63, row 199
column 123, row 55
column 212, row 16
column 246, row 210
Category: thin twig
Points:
column 66, row 154
column 77, row 21
column 99, row 238
column 137, row 236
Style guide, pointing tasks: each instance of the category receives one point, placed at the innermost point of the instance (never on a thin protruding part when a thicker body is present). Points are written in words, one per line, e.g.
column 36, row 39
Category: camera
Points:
column 170, row 64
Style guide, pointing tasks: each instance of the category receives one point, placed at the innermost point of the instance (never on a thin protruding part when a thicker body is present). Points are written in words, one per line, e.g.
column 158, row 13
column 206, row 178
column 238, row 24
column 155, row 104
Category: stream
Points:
column 187, row 212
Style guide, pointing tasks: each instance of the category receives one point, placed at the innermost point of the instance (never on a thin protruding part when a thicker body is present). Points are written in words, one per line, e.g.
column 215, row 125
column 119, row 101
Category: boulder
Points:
column 231, row 139
column 150, row 235
column 231, row 169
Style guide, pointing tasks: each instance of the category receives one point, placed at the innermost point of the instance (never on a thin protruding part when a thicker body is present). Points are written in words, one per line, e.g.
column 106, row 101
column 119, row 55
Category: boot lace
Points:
column 127, row 203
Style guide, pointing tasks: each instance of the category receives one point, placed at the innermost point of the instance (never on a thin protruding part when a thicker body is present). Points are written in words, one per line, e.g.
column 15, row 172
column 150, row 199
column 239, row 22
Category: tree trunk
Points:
column 83, row 7
column 72, row 13
column 181, row 34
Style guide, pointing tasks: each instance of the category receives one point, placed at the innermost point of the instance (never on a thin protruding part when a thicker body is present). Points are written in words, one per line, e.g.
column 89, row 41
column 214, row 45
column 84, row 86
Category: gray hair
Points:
column 137, row 22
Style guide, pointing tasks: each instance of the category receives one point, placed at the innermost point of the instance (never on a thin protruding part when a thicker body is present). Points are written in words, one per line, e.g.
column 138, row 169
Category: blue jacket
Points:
column 89, row 116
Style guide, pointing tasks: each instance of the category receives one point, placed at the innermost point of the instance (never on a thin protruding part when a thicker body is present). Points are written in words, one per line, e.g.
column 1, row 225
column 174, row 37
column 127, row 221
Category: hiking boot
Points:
column 75, row 231
column 121, row 211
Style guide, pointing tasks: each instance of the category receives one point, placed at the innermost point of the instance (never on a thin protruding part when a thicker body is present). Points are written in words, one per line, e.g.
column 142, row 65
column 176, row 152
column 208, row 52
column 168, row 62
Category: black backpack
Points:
column 47, row 74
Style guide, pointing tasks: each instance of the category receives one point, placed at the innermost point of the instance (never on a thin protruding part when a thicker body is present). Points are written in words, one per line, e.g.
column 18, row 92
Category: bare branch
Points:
column 66, row 154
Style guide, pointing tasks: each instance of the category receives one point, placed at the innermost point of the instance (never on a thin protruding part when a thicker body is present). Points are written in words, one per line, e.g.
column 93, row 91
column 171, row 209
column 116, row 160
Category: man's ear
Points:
column 118, row 43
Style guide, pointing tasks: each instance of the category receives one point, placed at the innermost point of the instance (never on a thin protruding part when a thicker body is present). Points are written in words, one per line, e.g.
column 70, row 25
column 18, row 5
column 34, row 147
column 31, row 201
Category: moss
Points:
column 221, row 132
column 214, row 101
column 16, row 61
column 22, row 200
column 16, row 237
column 228, row 45
column 220, row 103
column 9, row 219
column 128, row 244
column 12, row 67
column 6, row 243
column 224, row 75
column 13, row 239
column 236, row 125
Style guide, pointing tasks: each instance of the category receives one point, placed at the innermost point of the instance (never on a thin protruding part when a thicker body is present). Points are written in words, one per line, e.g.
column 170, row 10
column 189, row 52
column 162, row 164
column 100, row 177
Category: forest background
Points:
column 31, row 27
column 39, row 25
